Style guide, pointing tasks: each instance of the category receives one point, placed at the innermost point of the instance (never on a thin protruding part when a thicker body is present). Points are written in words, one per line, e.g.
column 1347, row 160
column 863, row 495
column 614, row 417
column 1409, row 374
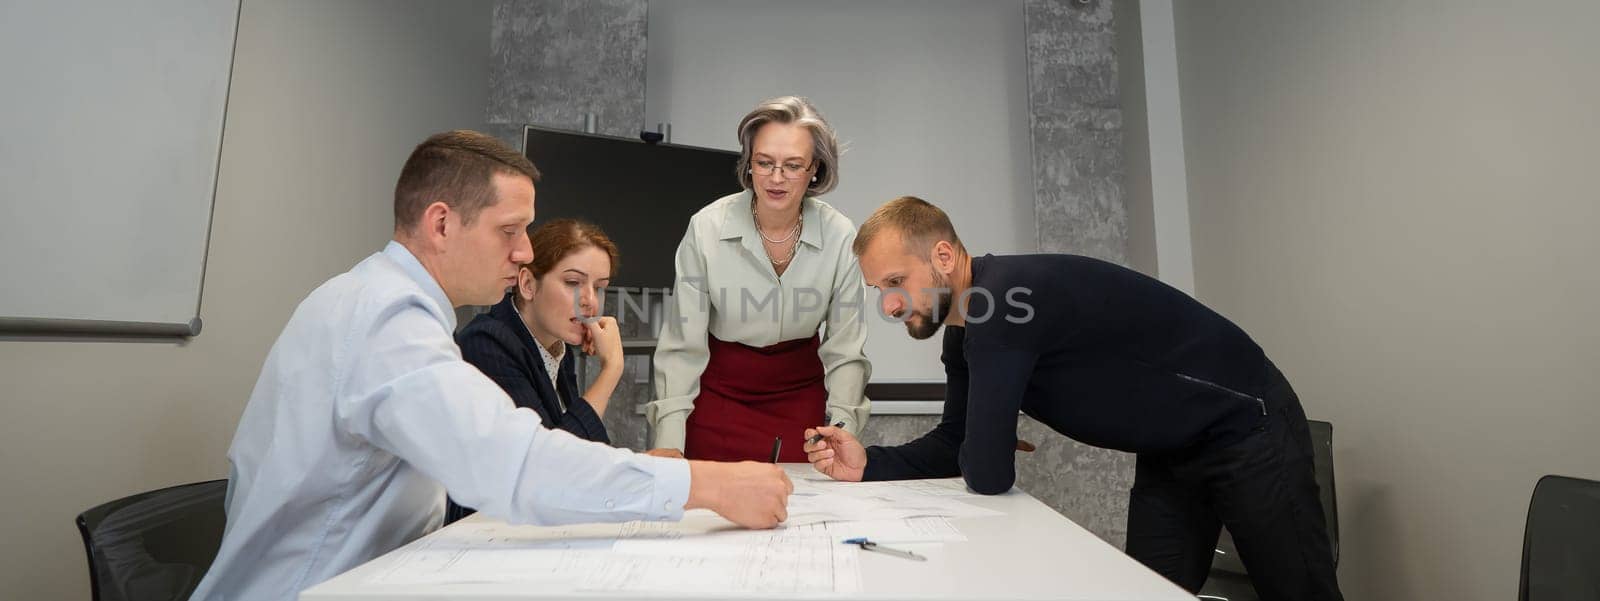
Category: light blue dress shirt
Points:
column 365, row 415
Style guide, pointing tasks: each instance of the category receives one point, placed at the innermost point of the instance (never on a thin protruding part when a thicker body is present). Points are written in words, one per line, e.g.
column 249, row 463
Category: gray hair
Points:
column 799, row 111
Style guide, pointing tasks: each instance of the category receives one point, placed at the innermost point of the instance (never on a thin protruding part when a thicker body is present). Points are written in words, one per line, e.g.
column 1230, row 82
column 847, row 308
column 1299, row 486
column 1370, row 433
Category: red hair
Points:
column 553, row 240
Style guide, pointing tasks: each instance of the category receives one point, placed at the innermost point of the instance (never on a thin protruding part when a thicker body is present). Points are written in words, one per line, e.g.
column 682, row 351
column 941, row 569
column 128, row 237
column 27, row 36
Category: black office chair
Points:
column 155, row 545
column 1561, row 546
column 1228, row 580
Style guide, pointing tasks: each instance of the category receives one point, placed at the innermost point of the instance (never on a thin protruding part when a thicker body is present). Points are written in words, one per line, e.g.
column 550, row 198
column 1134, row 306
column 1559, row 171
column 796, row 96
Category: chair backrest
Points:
column 1561, row 545
column 155, row 545
column 1322, row 461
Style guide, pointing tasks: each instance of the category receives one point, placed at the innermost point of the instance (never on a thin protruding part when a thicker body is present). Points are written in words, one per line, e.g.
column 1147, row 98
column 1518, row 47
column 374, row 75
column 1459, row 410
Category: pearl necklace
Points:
column 792, row 233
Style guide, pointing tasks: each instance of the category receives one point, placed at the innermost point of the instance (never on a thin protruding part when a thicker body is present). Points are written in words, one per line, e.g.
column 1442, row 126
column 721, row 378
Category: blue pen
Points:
column 867, row 545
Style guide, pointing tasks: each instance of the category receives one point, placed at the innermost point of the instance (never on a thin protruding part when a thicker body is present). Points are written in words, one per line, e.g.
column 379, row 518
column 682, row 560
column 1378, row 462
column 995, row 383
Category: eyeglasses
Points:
column 790, row 170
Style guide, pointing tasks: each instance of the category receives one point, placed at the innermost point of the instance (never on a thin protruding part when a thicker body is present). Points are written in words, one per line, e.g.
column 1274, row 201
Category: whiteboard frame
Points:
column 52, row 327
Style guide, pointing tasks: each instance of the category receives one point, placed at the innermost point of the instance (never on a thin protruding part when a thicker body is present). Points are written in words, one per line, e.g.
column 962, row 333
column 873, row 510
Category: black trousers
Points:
column 1262, row 487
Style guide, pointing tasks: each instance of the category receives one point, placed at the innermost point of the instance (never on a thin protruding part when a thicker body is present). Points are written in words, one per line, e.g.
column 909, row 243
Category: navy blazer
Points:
column 499, row 345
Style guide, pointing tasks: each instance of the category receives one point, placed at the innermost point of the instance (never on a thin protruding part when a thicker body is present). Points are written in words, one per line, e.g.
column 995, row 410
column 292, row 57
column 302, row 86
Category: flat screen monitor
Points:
column 641, row 194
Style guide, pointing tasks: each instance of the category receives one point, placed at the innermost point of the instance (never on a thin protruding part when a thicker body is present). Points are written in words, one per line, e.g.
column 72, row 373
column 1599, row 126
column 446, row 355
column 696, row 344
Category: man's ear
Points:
column 436, row 225
column 943, row 257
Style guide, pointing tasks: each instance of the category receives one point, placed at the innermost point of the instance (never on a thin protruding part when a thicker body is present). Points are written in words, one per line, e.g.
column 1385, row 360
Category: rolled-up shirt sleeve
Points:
column 843, row 350
column 412, row 395
column 682, row 351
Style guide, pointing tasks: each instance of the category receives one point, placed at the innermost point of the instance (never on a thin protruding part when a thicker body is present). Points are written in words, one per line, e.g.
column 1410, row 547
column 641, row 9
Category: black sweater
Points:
column 1100, row 353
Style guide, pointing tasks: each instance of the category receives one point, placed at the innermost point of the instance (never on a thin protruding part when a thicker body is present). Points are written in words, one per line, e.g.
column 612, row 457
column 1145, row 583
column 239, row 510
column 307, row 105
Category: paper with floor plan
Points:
column 938, row 487
column 816, row 501
column 787, row 560
column 704, row 553
column 909, row 530
column 701, row 553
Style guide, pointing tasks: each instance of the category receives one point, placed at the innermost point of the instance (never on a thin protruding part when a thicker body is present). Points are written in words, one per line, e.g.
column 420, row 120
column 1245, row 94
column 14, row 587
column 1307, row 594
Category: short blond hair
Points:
column 919, row 223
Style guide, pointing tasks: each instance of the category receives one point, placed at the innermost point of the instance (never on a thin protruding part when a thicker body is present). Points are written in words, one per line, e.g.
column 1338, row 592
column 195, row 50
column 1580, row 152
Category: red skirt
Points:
column 749, row 395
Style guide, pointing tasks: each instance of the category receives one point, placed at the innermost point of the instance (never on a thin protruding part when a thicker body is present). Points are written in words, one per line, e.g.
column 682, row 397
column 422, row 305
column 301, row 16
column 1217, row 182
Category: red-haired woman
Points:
column 527, row 343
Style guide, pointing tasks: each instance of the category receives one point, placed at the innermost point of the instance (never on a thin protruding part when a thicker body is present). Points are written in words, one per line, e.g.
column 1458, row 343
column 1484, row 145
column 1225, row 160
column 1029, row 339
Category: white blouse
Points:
column 726, row 287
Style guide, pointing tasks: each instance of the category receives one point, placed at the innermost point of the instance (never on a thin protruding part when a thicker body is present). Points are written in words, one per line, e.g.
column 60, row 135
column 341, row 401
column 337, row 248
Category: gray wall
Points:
column 1079, row 179
column 554, row 61
column 1397, row 201
column 1076, row 107
column 1137, row 195
column 327, row 101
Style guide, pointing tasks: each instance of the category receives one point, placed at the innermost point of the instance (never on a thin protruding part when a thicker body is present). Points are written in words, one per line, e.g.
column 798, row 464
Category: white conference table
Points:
column 1030, row 553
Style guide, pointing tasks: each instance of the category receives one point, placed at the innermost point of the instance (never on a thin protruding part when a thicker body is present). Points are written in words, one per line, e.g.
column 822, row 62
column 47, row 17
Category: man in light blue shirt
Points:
column 365, row 413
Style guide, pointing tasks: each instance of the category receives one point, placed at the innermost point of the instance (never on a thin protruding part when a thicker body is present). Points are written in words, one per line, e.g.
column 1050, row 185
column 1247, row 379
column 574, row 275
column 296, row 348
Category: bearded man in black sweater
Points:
column 1112, row 358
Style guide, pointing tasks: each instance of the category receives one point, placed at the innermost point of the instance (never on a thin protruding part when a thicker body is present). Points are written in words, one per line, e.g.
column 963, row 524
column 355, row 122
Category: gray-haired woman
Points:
column 740, row 362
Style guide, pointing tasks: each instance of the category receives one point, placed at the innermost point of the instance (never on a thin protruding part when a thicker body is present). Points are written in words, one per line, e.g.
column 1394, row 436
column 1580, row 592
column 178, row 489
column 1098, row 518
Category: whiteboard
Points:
column 112, row 118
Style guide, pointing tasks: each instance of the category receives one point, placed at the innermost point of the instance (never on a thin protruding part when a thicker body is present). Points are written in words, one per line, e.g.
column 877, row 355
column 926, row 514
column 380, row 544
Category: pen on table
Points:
column 818, row 437
column 777, row 443
column 867, row 545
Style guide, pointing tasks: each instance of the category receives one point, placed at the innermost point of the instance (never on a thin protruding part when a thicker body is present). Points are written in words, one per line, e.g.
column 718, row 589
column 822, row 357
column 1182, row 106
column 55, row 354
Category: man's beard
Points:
column 929, row 324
